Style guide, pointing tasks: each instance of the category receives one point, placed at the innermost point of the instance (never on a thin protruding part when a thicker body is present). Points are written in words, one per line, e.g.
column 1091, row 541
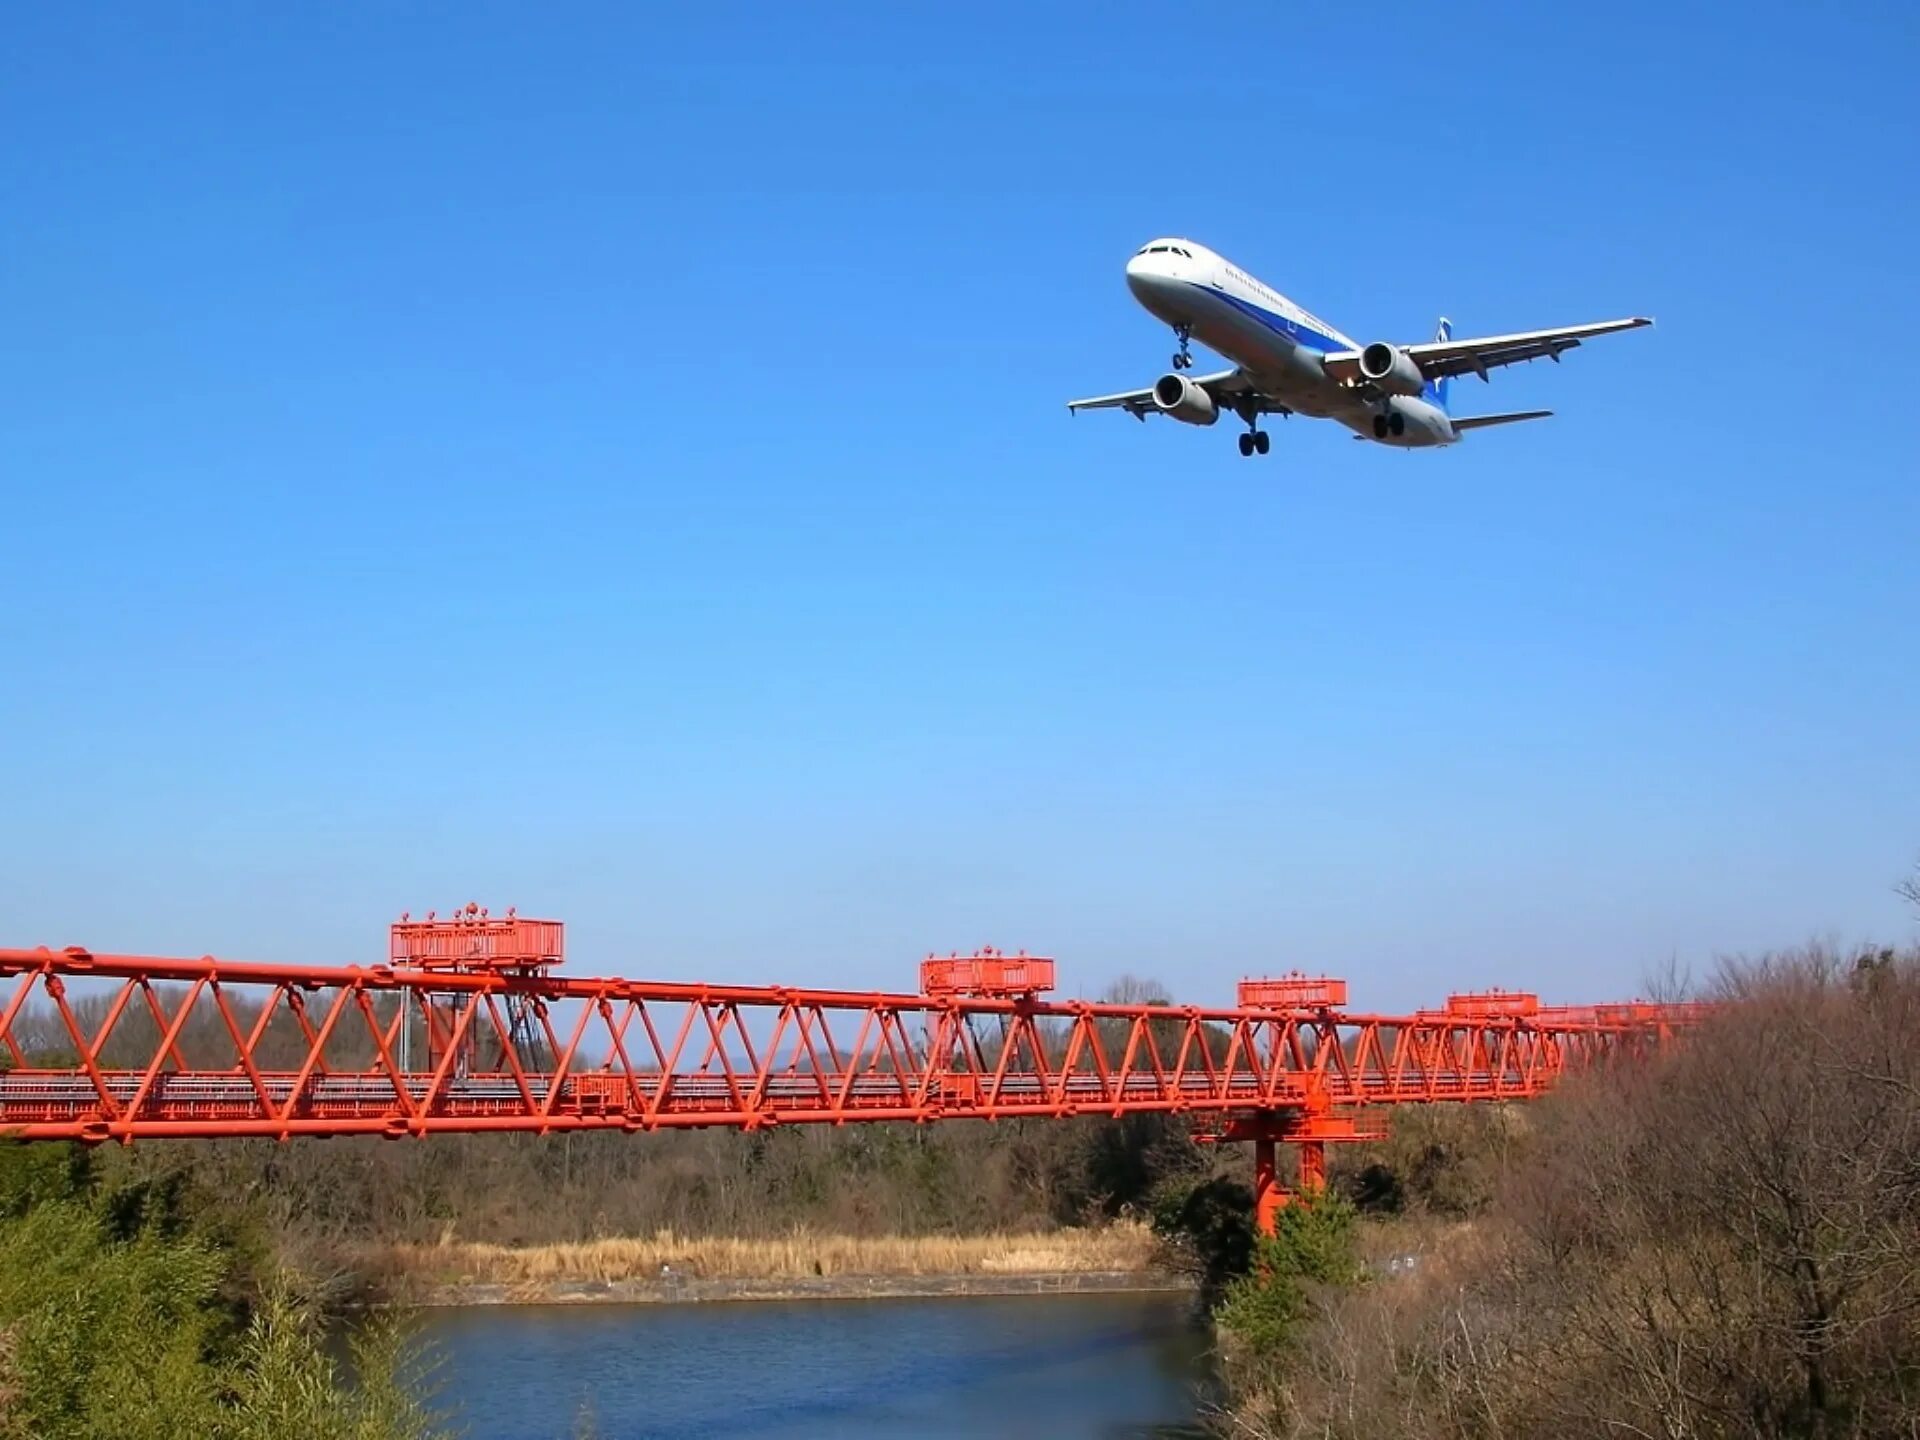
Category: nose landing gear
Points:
column 1183, row 358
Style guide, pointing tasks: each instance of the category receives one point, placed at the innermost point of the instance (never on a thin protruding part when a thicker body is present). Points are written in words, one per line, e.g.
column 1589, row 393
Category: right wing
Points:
column 1439, row 359
column 1230, row 390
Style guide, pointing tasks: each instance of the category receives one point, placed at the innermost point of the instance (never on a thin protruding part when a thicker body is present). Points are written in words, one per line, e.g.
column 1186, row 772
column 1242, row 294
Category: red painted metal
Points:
column 1493, row 1004
column 986, row 972
column 471, row 1030
column 1294, row 991
column 178, row 1047
column 469, row 939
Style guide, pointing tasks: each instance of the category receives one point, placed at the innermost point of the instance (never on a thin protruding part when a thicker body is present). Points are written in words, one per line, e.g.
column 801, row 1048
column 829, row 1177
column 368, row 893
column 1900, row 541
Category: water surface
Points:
column 1062, row 1367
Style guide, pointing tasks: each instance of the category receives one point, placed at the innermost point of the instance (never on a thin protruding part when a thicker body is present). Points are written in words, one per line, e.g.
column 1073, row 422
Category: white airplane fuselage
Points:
column 1276, row 343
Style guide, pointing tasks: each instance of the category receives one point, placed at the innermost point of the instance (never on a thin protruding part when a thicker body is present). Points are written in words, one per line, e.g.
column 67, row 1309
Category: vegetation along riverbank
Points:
column 1722, row 1240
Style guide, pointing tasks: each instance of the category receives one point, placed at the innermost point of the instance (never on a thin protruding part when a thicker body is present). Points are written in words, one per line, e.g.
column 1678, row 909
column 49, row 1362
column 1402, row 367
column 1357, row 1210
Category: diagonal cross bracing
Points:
column 129, row 1047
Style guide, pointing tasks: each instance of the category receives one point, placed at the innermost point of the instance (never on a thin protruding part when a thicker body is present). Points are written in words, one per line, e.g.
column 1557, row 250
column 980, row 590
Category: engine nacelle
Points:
column 1391, row 369
column 1185, row 401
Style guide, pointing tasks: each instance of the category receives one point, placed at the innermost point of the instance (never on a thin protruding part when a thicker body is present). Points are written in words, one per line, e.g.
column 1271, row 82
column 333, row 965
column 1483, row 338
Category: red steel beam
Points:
column 235, row 1048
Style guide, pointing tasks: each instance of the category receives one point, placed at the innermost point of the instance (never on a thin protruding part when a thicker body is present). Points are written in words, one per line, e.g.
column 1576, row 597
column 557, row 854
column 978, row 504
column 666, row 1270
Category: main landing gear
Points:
column 1255, row 441
column 1183, row 357
column 1385, row 425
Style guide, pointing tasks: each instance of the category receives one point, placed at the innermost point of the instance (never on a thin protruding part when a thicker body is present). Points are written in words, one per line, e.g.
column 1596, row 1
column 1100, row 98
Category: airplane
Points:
column 1288, row 362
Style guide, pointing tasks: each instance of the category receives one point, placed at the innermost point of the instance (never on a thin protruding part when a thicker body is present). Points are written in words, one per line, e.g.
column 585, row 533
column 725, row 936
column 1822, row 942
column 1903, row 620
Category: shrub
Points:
column 1313, row 1246
column 143, row 1311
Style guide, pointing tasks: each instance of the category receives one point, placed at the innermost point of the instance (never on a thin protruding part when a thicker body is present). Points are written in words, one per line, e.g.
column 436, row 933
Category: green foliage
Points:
column 289, row 1388
column 31, row 1175
column 1211, row 1221
column 1313, row 1244
column 1315, row 1237
column 107, row 1337
column 1375, row 1189
column 1435, row 1159
column 134, row 1308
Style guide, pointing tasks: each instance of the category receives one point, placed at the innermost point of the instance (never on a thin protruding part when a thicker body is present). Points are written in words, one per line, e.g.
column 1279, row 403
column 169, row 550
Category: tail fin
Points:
column 1436, row 390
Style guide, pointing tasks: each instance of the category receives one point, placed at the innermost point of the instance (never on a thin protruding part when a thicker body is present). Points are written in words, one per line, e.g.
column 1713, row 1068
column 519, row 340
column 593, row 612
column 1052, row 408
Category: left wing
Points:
column 1230, row 389
column 1441, row 358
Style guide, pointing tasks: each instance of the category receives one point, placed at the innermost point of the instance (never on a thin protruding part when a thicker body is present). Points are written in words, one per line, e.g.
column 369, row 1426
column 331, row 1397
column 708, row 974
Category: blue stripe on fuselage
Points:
column 1300, row 334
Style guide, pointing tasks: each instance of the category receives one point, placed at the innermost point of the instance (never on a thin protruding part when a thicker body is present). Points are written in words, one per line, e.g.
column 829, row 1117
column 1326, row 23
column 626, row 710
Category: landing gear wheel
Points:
column 1379, row 427
column 1181, row 359
column 1398, row 423
column 1246, row 445
column 1261, row 441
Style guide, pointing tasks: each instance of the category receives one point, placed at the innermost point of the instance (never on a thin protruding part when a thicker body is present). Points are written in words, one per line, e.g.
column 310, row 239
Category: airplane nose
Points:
column 1143, row 275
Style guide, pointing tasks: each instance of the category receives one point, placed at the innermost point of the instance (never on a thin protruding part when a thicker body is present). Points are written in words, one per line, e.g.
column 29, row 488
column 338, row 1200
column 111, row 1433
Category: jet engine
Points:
column 1185, row 401
column 1391, row 369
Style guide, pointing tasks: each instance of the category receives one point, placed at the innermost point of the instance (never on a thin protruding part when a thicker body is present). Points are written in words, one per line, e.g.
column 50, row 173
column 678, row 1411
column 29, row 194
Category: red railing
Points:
column 1294, row 992
column 985, row 972
column 470, row 939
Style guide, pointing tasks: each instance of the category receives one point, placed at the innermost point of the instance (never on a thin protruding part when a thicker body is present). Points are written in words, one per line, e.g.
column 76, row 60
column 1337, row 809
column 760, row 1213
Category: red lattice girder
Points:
column 131, row 1047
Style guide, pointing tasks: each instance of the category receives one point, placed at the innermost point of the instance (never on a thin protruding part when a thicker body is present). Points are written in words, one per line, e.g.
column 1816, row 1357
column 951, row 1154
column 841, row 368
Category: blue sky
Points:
column 613, row 462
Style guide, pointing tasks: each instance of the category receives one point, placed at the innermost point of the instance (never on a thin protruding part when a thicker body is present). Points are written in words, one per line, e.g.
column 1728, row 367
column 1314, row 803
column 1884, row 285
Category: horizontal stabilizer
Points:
column 1478, row 422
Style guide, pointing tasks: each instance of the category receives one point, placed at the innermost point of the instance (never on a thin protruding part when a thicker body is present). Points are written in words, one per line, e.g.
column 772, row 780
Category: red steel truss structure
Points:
column 469, row 1029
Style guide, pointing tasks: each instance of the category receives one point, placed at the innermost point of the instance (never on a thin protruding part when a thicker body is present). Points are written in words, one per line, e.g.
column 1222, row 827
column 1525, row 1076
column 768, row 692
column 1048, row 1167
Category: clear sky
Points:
column 611, row 459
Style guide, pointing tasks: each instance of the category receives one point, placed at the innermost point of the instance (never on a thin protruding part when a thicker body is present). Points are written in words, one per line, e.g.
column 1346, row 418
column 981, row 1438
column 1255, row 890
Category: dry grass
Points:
column 1117, row 1247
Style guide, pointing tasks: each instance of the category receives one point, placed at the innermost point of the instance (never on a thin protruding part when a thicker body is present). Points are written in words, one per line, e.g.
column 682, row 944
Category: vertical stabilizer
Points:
column 1436, row 390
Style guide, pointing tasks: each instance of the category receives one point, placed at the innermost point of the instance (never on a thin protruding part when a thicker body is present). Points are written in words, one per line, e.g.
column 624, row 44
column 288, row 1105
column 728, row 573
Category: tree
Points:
column 1313, row 1246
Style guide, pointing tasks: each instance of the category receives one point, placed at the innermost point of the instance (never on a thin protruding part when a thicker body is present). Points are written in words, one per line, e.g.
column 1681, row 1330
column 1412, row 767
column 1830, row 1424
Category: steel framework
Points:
column 97, row 1047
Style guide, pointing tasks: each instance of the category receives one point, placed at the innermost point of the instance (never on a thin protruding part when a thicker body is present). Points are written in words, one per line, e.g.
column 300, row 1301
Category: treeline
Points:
column 320, row 1199
column 1720, row 1241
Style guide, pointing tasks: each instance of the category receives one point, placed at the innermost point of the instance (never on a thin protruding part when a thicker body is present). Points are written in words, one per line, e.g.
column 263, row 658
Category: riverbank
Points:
column 670, row 1268
column 838, row 1287
column 667, row 1267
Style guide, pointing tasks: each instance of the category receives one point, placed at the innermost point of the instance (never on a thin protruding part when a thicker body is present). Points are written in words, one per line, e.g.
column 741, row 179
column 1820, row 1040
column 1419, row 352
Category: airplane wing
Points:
column 1229, row 388
column 1440, row 358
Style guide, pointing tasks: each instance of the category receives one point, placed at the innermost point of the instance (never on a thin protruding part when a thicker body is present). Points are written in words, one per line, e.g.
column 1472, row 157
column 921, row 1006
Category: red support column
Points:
column 1268, row 1193
column 1268, row 1130
column 1313, row 1165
